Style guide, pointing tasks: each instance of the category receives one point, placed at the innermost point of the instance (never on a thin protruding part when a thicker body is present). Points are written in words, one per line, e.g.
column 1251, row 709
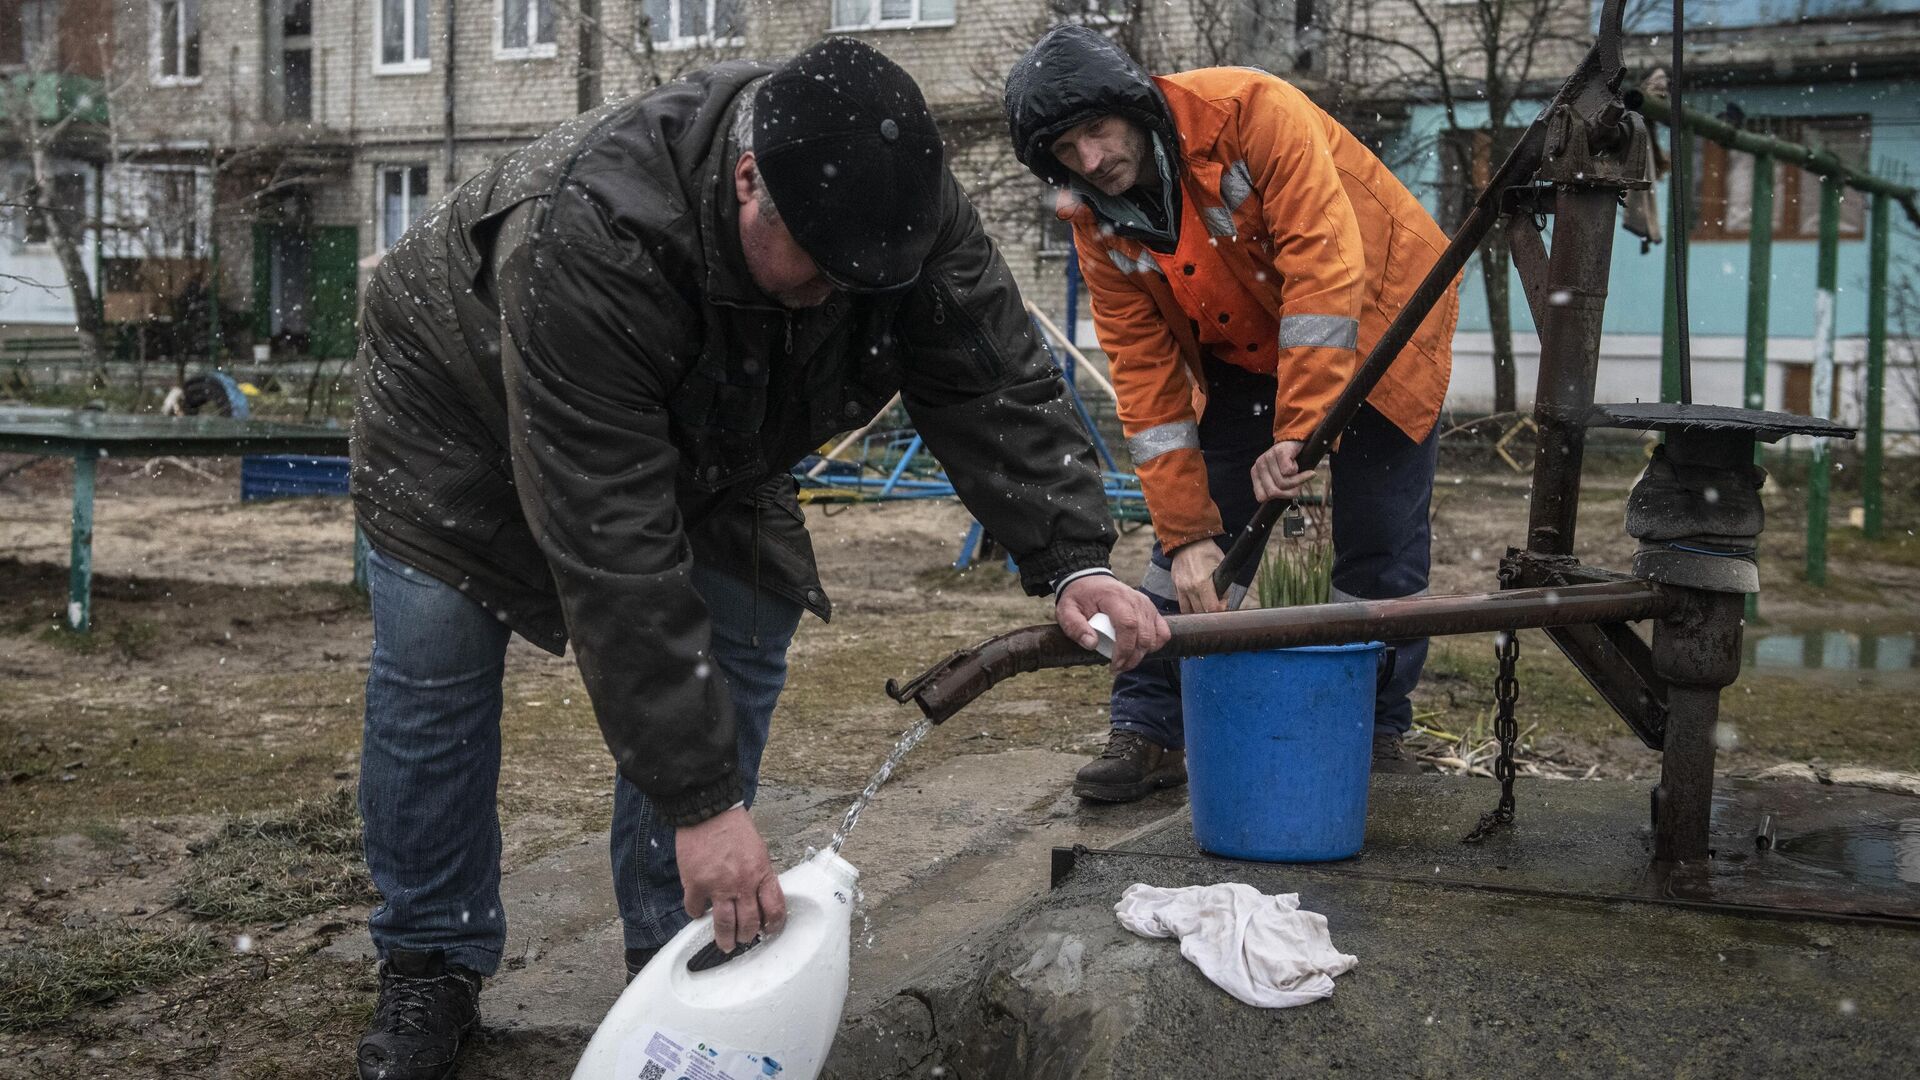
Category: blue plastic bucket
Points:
column 1279, row 747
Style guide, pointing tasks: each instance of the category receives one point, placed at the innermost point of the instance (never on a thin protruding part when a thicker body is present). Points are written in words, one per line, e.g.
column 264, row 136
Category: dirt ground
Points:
column 218, row 703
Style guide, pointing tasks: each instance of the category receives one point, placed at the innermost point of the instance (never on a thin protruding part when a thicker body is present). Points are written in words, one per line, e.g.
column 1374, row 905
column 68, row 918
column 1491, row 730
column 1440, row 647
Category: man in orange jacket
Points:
column 1242, row 252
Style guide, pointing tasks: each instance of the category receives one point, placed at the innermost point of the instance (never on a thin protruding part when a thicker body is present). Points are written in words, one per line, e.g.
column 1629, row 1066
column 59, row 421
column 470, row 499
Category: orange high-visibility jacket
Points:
column 1297, row 247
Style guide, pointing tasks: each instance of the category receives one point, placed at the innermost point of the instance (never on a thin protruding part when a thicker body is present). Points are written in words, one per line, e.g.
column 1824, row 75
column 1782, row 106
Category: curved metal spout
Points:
column 952, row 684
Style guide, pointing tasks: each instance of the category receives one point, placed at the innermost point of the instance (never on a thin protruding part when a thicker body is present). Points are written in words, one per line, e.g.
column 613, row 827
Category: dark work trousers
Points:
column 1382, row 489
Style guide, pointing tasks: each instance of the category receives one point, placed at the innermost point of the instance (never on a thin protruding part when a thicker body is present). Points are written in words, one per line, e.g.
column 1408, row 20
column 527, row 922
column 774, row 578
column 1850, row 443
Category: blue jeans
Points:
column 1382, row 489
column 430, row 763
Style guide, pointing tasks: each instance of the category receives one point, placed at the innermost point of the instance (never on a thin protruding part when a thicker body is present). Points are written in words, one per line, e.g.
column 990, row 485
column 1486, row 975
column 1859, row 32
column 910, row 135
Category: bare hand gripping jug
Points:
column 769, row 1010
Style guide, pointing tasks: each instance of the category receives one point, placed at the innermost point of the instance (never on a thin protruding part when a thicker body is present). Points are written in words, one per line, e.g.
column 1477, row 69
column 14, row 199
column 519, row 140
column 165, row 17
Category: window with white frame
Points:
column 526, row 28
column 176, row 41
column 403, row 200
column 890, row 14
column 1092, row 12
column 400, row 27
column 1723, row 180
column 690, row 24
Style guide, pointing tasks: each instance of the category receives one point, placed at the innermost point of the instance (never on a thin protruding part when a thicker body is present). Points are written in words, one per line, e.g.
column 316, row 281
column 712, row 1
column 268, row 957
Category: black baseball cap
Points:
column 851, row 155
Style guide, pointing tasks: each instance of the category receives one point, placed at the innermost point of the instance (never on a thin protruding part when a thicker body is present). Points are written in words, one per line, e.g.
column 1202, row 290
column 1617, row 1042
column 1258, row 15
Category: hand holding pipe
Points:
column 949, row 686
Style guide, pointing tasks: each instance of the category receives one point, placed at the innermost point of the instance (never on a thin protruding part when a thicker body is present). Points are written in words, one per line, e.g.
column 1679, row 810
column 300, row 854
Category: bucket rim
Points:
column 1357, row 646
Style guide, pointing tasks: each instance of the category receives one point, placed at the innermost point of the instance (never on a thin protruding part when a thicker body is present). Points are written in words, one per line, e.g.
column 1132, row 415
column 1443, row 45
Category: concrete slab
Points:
column 926, row 883
column 1455, row 979
column 564, row 946
column 1831, row 848
column 942, row 852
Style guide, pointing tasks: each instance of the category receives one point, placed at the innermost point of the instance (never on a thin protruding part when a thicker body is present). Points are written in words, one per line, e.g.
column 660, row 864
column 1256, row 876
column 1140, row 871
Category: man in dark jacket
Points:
column 584, row 378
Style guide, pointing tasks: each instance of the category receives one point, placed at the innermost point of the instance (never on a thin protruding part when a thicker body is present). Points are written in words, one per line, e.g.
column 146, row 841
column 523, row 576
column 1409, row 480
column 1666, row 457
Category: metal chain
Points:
column 1506, row 692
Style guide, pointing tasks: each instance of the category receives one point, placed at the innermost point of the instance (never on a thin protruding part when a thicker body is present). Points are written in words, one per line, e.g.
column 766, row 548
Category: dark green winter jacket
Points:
column 560, row 416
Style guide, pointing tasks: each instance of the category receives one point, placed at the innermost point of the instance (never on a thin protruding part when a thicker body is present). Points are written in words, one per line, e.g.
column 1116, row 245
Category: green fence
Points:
column 1834, row 174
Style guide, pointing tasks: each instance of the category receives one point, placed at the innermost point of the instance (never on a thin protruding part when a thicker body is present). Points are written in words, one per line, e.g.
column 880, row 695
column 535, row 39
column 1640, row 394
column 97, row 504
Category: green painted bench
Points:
column 86, row 437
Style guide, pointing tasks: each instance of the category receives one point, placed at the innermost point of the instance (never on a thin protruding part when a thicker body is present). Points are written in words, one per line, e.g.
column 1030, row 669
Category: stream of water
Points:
column 906, row 744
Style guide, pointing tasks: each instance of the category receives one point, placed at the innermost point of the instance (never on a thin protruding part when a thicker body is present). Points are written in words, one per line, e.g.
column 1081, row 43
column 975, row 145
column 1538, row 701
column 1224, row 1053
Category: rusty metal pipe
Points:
column 951, row 685
column 1578, row 269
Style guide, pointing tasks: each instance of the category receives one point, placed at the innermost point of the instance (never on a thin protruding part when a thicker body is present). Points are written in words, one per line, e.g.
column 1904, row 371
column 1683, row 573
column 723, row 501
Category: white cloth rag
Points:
column 1261, row 949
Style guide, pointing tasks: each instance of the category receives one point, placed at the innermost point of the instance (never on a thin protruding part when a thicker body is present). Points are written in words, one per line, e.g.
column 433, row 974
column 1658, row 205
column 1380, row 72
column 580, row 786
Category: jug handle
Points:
column 711, row 957
column 1389, row 659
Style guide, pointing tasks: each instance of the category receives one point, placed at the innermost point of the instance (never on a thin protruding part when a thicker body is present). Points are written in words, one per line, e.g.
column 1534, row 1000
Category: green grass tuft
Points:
column 1295, row 572
column 132, row 639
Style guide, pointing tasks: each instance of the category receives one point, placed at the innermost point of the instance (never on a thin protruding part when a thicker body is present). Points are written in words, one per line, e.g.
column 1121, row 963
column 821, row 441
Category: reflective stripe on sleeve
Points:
column 1162, row 438
column 1236, row 183
column 1143, row 265
column 1219, row 221
column 1321, row 331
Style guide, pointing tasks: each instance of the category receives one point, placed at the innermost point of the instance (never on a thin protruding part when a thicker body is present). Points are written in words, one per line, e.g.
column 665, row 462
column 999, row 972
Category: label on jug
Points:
column 659, row 1054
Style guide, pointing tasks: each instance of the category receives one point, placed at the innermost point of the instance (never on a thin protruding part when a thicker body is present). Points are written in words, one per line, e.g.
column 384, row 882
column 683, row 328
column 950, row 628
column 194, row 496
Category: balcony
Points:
column 1740, row 41
column 1708, row 15
column 52, row 98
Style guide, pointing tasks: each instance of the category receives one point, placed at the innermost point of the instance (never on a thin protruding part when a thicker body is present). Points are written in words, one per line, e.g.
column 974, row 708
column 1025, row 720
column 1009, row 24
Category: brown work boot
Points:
column 1132, row 766
column 1390, row 756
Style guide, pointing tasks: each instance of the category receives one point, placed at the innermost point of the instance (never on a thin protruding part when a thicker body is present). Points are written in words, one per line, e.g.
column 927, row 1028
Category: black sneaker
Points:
column 1390, row 756
column 637, row 959
column 427, row 1008
column 1131, row 767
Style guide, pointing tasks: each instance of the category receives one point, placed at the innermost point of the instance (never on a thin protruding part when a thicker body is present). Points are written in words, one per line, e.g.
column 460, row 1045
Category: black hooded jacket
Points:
column 571, row 390
column 1072, row 75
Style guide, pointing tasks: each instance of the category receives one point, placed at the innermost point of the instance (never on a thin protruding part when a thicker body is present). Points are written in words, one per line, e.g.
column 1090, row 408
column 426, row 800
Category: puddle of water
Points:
column 1788, row 652
column 1878, row 853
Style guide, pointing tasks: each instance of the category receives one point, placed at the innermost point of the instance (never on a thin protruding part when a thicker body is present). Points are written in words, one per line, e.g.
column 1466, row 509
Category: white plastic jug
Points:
column 769, row 1011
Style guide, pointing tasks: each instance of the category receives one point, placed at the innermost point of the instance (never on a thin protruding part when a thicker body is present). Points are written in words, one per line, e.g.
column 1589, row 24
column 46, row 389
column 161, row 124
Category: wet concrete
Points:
column 942, row 852
column 1455, row 978
column 1837, row 849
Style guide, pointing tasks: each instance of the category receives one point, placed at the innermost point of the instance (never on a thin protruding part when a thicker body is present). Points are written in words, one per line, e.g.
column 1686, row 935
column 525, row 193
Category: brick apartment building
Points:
column 276, row 147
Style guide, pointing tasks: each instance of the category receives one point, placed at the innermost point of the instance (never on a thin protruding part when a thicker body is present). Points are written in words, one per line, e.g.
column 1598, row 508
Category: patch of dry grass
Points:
column 1771, row 717
column 45, row 980
column 14, row 847
column 280, row 866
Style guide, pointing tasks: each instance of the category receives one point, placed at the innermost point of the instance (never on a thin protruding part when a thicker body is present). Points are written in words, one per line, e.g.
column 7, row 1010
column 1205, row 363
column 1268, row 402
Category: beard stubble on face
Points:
column 1124, row 156
column 1135, row 163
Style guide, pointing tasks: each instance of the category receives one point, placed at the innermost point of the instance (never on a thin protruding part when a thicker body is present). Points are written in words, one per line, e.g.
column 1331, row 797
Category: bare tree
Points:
column 1482, row 62
column 632, row 29
column 1903, row 329
column 47, row 111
